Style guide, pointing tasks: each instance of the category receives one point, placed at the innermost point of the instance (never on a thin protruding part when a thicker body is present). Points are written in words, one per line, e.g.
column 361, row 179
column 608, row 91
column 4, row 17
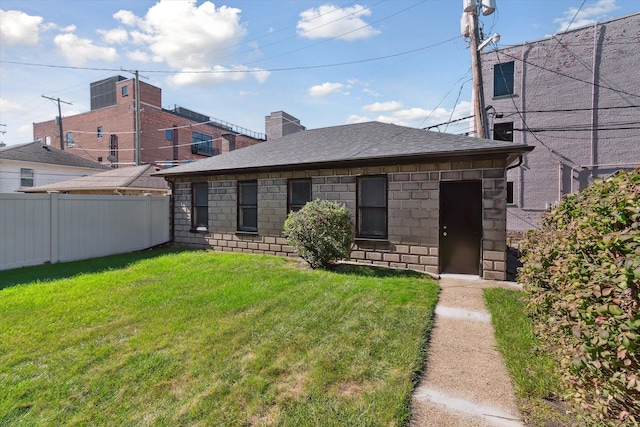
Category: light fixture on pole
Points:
column 495, row 38
column 470, row 28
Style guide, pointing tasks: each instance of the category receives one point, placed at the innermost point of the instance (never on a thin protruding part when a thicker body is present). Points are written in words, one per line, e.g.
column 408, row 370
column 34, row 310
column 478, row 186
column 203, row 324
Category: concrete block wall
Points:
column 413, row 212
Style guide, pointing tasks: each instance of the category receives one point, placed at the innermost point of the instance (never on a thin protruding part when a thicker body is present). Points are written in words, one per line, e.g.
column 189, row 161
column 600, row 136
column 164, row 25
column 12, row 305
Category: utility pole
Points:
column 137, row 141
column 471, row 29
column 59, row 118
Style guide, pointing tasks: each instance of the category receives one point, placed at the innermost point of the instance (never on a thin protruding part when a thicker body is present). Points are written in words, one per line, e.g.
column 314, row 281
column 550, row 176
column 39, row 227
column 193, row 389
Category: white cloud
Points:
column 585, row 15
column 354, row 118
column 414, row 116
column 138, row 55
column 115, row 36
column 77, row 50
column 18, row 28
column 382, row 106
column 188, row 37
column 325, row 89
column 218, row 74
column 370, row 92
column 329, row 21
column 126, row 17
column 10, row 107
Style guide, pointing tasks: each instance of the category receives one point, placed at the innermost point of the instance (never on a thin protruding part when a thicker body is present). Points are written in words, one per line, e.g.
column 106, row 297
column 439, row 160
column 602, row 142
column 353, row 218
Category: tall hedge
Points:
column 320, row 233
column 581, row 275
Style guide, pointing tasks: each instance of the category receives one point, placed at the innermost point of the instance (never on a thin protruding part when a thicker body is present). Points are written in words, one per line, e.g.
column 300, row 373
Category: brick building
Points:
column 167, row 136
column 575, row 96
column 420, row 200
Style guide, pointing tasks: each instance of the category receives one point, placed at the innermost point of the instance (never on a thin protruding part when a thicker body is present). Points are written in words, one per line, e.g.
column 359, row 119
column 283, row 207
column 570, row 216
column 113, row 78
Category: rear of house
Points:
column 419, row 200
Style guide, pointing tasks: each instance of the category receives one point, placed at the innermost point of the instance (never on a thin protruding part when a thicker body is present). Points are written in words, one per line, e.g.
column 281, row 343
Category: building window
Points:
column 372, row 206
column 299, row 193
column 26, row 177
column 248, row 206
column 200, row 205
column 125, row 90
column 503, row 79
column 168, row 134
column 510, row 192
column 47, row 140
column 202, row 144
column 503, row 131
column 99, row 131
column 69, row 139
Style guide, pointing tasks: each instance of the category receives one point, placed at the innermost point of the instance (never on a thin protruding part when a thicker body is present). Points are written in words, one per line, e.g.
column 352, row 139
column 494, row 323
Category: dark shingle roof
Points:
column 331, row 146
column 40, row 153
column 129, row 178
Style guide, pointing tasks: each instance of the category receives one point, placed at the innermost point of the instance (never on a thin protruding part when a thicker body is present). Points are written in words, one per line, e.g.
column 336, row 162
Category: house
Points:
column 32, row 164
column 420, row 200
column 132, row 180
column 107, row 133
column 575, row 97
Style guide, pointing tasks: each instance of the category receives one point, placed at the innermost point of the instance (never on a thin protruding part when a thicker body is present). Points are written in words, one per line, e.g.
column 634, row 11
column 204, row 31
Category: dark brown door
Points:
column 460, row 227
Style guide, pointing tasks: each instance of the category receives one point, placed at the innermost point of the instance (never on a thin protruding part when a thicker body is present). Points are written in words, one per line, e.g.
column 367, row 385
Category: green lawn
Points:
column 204, row 338
column 533, row 373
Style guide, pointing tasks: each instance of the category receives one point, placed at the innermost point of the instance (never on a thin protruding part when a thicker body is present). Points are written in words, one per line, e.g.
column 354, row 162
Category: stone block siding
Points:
column 413, row 212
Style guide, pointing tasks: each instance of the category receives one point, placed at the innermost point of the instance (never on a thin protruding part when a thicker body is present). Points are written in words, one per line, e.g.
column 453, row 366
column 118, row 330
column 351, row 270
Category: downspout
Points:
column 594, row 99
column 172, row 209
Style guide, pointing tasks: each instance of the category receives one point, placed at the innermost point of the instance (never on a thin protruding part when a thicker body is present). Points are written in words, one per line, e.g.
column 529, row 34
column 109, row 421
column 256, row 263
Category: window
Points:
column 26, row 177
column 201, row 144
column 168, row 134
column 69, row 138
column 125, row 90
column 372, row 207
column 248, row 206
column 503, row 79
column 47, row 140
column 299, row 193
column 200, row 206
column 509, row 192
column 503, row 131
column 99, row 131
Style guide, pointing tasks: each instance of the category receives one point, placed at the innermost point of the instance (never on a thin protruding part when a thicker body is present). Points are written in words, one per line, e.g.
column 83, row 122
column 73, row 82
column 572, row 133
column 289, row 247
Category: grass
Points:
column 534, row 374
column 204, row 338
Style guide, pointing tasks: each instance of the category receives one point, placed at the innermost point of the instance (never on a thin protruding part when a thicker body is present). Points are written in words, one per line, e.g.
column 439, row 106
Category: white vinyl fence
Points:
column 40, row 228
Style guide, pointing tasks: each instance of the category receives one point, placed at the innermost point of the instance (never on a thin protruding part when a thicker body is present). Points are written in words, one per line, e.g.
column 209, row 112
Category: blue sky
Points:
column 325, row 62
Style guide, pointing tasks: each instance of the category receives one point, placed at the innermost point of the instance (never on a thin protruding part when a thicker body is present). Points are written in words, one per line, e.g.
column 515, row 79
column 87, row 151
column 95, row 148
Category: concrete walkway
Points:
column 466, row 382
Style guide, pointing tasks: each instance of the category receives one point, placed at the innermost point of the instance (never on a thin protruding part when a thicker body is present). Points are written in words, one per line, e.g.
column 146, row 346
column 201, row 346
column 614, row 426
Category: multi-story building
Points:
column 107, row 133
column 575, row 96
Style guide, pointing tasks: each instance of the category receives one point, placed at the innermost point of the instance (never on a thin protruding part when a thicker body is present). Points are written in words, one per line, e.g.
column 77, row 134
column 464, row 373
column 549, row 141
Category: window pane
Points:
column 373, row 222
column 249, row 193
column 373, row 191
column 503, row 131
column 299, row 192
column 503, row 79
column 202, row 216
column 249, row 219
column 509, row 191
column 201, row 194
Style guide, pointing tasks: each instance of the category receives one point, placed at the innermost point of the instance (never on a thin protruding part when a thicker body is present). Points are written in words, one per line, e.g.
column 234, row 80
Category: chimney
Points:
column 279, row 124
column 228, row 143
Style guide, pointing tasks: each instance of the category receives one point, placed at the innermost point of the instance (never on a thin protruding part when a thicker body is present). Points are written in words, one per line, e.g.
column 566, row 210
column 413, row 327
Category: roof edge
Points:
column 371, row 161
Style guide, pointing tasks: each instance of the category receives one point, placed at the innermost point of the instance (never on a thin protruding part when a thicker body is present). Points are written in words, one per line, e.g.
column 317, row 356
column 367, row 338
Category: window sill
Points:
column 371, row 240
column 511, row 95
column 200, row 230
column 246, row 233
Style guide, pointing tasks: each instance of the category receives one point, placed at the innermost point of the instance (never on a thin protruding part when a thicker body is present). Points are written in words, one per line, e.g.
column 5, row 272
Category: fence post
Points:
column 54, row 235
column 149, row 219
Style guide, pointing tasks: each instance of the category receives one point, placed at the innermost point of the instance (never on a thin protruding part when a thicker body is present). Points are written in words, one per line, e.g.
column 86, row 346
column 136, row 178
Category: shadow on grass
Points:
column 64, row 270
column 376, row 271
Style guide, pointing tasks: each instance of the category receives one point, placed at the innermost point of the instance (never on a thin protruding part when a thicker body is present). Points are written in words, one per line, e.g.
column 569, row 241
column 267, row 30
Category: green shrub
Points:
column 581, row 275
column 320, row 233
